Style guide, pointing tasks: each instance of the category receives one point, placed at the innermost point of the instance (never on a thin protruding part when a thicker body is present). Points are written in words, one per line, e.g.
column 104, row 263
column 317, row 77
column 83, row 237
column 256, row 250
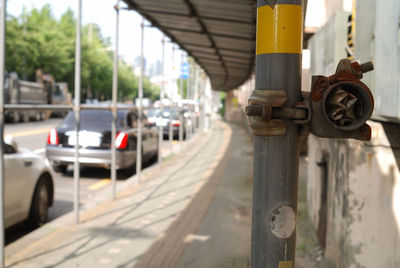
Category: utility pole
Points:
column 276, row 142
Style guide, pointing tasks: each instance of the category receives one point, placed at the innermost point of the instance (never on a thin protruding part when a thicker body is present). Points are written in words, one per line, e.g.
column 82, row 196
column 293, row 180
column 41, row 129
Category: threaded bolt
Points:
column 367, row 67
column 254, row 110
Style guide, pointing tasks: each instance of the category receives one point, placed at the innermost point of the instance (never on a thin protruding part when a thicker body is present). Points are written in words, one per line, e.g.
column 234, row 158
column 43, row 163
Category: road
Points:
column 33, row 135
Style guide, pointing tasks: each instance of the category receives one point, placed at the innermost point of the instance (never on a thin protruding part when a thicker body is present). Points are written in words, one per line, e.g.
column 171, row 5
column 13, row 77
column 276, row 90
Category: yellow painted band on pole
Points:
column 279, row 29
column 285, row 264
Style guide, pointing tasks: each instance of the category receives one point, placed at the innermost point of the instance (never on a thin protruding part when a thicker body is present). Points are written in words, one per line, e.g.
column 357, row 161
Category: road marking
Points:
column 99, row 184
column 29, row 132
column 39, row 151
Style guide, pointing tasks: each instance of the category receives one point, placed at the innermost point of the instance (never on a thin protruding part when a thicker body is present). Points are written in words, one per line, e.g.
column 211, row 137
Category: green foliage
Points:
column 182, row 87
column 37, row 40
column 222, row 96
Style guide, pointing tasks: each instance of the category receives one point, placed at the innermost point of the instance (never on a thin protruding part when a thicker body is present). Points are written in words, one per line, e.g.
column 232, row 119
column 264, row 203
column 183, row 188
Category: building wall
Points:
column 363, row 198
column 354, row 187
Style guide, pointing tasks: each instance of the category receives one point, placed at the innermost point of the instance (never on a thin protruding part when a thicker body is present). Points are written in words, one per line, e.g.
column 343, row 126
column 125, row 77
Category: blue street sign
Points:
column 185, row 70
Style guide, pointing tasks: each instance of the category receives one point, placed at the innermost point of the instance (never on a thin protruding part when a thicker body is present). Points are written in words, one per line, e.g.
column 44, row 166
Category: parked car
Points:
column 170, row 116
column 29, row 185
column 95, row 140
column 153, row 116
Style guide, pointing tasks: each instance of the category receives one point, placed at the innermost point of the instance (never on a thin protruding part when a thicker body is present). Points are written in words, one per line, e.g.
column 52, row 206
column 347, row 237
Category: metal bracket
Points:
column 265, row 113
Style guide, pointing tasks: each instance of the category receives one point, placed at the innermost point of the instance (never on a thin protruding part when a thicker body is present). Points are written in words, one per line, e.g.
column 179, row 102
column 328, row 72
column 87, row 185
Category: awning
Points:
column 219, row 35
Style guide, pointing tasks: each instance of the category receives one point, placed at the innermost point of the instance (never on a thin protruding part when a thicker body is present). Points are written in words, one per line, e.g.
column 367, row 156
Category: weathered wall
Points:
column 363, row 198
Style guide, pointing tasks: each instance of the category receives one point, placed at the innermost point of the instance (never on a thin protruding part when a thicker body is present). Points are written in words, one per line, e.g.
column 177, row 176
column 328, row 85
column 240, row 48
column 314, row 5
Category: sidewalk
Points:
column 193, row 212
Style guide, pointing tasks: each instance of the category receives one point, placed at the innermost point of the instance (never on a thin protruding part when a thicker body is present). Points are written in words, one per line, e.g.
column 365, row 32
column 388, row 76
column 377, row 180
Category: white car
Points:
column 29, row 185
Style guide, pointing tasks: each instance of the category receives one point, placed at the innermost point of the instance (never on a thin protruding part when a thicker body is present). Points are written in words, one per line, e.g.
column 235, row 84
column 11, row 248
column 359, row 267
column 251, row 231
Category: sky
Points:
column 102, row 13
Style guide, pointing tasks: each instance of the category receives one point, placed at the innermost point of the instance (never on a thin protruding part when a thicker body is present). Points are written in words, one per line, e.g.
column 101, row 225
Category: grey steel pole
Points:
column 180, row 110
column 2, row 73
column 196, row 81
column 276, row 158
column 77, row 108
column 202, row 109
column 114, row 106
column 189, row 94
column 160, row 128
column 139, row 123
column 170, row 134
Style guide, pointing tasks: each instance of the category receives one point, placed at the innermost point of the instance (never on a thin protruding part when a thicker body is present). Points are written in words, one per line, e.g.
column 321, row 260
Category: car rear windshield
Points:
column 167, row 113
column 153, row 113
column 94, row 120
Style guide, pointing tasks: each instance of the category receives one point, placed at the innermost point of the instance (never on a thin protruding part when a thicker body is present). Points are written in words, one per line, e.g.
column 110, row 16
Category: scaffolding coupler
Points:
column 337, row 107
column 266, row 114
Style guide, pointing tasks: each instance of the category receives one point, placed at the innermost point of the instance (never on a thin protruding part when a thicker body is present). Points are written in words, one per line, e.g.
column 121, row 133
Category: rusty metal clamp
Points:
column 341, row 104
column 265, row 113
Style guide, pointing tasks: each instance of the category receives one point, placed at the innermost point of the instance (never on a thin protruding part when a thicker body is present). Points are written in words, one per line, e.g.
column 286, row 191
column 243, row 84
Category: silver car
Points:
column 95, row 140
column 29, row 185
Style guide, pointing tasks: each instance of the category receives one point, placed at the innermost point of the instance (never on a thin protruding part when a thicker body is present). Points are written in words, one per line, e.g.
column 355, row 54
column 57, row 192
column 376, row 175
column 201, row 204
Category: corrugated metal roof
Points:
column 219, row 34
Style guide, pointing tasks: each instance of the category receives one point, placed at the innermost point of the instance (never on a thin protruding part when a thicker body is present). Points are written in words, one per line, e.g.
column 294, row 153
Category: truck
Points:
column 44, row 91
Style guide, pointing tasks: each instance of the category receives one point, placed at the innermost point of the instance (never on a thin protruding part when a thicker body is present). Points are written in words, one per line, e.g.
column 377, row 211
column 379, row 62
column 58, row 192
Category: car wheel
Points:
column 60, row 168
column 40, row 204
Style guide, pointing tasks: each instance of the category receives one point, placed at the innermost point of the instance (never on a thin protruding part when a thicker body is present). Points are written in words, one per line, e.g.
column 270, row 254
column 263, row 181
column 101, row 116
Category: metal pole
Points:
column 160, row 128
column 77, row 108
column 276, row 158
column 2, row 70
column 180, row 110
column 114, row 106
column 170, row 134
column 196, row 81
column 202, row 109
column 139, row 123
column 189, row 96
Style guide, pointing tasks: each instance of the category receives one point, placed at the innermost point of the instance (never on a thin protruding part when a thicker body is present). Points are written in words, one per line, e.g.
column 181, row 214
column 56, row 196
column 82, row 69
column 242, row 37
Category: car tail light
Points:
column 176, row 123
column 52, row 138
column 121, row 141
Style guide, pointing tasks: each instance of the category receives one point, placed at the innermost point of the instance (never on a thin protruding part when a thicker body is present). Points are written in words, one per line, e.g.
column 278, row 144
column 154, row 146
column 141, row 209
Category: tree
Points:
column 37, row 40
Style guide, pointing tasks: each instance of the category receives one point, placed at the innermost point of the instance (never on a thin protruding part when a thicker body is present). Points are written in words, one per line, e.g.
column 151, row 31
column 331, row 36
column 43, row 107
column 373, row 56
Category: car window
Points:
column 94, row 120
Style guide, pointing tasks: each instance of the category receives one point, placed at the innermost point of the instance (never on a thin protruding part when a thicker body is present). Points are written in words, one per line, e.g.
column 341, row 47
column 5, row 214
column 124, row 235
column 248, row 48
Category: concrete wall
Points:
column 363, row 198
